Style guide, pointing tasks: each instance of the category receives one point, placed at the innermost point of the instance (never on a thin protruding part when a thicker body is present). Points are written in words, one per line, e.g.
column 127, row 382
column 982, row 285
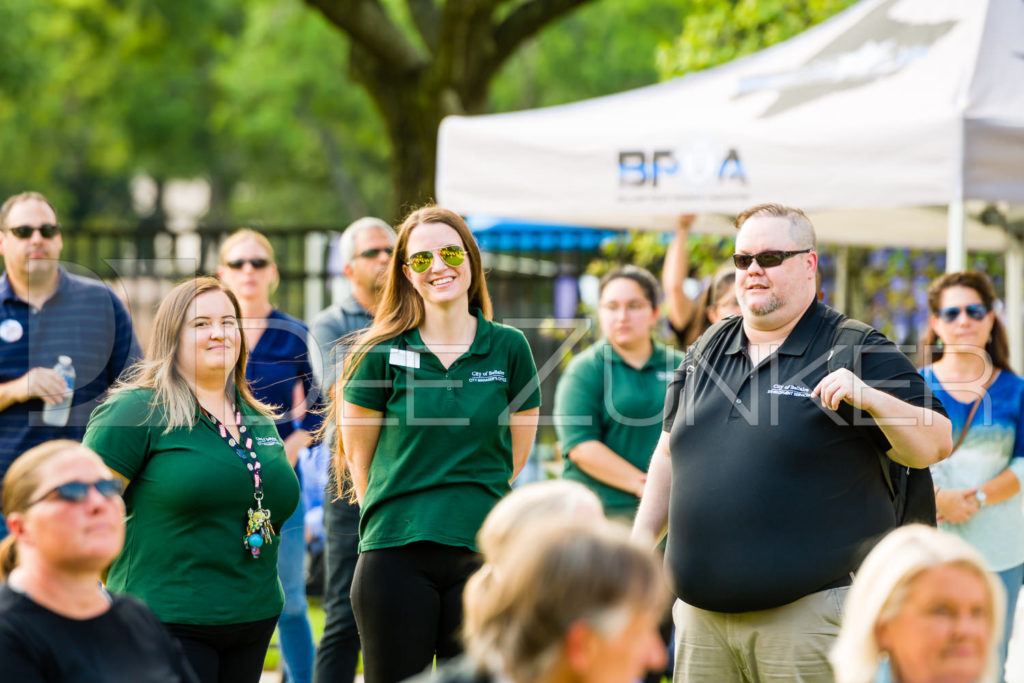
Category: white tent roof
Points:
column 893, row 103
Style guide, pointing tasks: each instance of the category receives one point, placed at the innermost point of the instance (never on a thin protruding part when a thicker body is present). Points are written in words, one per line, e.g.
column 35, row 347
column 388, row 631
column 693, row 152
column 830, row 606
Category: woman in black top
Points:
column 57, row 623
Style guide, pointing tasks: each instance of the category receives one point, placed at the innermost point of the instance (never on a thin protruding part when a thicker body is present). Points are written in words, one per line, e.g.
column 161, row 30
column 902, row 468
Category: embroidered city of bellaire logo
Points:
column 488, row 376
column 789, row 390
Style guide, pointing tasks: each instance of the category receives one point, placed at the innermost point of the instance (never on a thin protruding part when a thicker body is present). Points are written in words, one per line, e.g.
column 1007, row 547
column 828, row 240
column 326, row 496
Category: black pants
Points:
column 408, row 604
column 232, row 653
column 338, row 651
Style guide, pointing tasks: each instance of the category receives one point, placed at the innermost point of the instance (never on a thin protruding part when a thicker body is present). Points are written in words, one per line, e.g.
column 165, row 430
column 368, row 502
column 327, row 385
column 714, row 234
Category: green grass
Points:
column 272, row 662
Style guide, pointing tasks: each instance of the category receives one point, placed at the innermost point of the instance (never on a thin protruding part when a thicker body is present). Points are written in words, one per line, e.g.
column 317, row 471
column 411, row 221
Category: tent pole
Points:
column 843, row 280
column 956, row 250
column 316, row 247
column 1013, row 317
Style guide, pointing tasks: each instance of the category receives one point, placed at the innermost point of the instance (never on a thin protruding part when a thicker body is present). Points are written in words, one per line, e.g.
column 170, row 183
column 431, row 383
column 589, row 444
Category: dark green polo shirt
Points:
column 602, row 398
column 444, row 456
column 187, row 508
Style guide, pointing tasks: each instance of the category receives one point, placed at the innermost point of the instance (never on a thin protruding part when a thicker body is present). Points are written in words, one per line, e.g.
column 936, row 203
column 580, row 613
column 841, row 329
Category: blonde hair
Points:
column 242, row 235
column 881, row 589
column 801, row 230
column 20, row 484
column 14, row 200
column 158, row 371
column 401, row 309
column 516, row 616
column 553, row 499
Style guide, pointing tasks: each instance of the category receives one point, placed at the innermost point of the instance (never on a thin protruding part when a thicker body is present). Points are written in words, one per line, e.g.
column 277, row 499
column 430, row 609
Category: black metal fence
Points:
column 143, row 264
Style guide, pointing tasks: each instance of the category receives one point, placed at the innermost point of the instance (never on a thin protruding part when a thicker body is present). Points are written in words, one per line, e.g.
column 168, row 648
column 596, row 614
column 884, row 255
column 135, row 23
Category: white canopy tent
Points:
column 865, row 121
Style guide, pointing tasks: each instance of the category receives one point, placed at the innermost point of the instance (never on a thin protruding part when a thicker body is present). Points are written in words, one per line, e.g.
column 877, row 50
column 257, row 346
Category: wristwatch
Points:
column 980, row 495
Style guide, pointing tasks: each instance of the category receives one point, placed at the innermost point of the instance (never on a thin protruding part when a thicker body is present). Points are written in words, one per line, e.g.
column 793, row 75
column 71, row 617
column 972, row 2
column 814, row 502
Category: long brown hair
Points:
column 20, row 484
column 997, row 347
column 722, row 282
column 401, row 309
column 159, row 370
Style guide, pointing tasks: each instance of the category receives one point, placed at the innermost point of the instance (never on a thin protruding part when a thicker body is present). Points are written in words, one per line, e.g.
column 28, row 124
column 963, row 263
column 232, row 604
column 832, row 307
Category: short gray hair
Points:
column 347, row 246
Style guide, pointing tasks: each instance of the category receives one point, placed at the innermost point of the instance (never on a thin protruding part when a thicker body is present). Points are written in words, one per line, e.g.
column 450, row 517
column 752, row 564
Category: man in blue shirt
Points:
column 366, row 248
column 46, row 312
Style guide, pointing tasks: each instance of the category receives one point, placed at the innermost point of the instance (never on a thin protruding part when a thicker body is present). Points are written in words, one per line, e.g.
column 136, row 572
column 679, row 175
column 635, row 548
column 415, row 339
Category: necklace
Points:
column 258, row 531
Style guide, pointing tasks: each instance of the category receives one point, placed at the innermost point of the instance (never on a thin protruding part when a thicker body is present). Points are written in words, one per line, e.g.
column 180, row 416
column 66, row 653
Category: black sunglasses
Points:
column 974, row 312
column 765, row 259
column 23, row 232
column 452, row 254
column 77, row 491
column 257, row 263
column 374, row 253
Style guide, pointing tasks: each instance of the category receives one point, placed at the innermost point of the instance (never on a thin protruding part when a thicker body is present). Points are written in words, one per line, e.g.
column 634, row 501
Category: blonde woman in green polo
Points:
column 207, row 485
column 438, row 414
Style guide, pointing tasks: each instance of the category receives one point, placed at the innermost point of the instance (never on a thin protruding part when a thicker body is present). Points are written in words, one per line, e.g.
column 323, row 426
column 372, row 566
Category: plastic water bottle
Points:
column 57, row 415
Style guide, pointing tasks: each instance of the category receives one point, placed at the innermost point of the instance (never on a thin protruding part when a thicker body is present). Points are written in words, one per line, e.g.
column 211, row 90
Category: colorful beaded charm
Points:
column 257, row 530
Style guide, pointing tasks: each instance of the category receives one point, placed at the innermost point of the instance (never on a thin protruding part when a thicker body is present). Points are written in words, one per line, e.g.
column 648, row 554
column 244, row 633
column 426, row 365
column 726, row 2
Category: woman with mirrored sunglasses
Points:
column 57, row 622
column 208, row 485
column 280, row 375
column 978, row 488
column 437, row 416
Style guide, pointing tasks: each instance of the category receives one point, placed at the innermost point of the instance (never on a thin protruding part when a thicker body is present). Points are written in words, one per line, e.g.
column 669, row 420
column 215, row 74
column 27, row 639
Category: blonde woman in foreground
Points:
column 563, row 597
column 57, row 623
column 924, row 607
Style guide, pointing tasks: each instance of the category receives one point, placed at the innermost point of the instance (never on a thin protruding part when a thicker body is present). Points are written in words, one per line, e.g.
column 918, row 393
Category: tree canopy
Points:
column 315, row 112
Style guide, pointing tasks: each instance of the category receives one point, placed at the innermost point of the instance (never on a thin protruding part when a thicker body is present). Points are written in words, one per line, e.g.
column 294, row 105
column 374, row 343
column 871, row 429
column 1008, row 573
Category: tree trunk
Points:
column 447, row 70
column 412, row 113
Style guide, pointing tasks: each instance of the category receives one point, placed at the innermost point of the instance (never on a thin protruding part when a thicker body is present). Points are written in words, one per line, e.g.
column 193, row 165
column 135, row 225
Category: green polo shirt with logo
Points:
column 602, row 398
column 444, row 456
column 187, row 503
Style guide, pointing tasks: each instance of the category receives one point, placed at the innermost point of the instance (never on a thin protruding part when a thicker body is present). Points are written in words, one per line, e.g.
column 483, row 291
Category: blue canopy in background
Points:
column 508, row 234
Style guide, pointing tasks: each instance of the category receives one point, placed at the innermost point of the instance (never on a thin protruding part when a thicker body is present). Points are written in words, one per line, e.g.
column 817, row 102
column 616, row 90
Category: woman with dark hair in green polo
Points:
column 609, row 401
column 438, row 415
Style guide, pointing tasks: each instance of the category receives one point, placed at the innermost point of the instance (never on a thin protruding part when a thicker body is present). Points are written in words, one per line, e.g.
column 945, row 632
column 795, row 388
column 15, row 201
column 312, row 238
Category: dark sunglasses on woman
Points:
column 23, row 232
column 257, row 263
column 453, row 255
column 77, row 491
column 974, row 312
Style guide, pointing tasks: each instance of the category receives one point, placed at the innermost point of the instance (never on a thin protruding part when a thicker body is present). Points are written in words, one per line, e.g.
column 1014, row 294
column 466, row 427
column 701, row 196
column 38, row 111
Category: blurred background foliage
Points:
column 257, row 97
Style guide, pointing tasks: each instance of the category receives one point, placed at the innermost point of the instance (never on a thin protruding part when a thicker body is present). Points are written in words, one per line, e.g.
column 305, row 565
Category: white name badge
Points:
column 405, row 359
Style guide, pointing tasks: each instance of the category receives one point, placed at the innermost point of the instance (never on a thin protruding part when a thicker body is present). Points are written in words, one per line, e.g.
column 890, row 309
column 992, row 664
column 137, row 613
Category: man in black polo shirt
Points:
column 767, row 470
column 46, row 312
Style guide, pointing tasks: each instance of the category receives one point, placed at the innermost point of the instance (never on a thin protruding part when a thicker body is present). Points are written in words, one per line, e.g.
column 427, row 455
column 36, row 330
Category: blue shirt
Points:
column 84, row 320
column 279, row 360
column 993, row 444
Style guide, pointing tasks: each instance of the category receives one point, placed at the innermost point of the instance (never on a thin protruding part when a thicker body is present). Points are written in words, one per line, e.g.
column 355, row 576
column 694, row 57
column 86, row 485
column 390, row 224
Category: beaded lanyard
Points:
column 257, row 529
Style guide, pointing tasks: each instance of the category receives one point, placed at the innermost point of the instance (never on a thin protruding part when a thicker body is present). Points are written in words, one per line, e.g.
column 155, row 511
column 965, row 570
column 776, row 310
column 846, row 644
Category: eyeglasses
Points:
column 257, row 263
column 77, row 491
column 24, row 232
column 765, row 259
column 634, row 306
column 453, row 255
column 974, row 312
column 374, row 253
